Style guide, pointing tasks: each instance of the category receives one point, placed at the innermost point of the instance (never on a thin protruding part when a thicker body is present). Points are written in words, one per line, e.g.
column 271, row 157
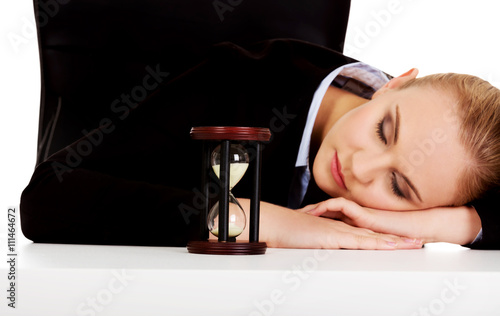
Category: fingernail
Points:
column 392, row 243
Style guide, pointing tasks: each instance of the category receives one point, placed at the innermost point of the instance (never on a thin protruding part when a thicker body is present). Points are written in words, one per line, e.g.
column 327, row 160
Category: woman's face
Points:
column 399, row 151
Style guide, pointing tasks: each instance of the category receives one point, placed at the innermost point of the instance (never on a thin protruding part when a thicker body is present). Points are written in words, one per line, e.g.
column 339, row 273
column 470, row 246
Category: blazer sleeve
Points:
column 488, row 209
column 73, row 201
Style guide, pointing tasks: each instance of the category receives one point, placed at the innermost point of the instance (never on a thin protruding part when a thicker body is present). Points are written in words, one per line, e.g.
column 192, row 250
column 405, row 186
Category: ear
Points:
column 397, row 82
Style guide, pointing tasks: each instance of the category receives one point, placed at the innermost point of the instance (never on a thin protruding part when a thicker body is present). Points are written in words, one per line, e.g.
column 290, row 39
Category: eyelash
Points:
column 394, row 184
column 380, row 131
column 395, row 188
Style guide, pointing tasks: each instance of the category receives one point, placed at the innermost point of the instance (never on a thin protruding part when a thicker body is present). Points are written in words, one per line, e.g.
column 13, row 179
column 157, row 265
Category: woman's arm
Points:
column 281, row 227
column 459, row 225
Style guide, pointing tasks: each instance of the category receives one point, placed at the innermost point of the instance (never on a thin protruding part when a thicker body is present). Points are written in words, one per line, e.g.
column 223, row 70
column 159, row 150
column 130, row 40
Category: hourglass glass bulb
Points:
column 237, row 219
column 238, row 164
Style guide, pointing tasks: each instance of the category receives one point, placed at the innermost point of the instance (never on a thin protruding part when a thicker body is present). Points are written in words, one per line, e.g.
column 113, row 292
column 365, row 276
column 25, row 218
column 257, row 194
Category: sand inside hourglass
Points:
column 236, row 172
column 234, row 230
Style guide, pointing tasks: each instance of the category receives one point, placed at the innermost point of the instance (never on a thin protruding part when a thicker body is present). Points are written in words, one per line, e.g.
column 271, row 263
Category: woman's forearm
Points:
column 458, row 225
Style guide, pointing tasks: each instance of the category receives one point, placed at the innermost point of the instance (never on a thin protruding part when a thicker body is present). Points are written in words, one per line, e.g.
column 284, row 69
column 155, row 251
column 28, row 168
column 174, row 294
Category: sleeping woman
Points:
column 357, row 159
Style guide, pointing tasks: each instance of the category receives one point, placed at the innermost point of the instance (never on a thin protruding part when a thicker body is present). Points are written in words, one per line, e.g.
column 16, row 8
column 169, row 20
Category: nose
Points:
column 366, row 166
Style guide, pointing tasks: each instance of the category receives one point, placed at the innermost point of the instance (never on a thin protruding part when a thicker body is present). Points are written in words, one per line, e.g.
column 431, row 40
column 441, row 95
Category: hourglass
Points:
column 238, row 164
column 229, row 152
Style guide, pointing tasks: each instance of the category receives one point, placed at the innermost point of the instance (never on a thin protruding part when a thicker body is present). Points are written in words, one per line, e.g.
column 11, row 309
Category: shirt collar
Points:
column 359, row 71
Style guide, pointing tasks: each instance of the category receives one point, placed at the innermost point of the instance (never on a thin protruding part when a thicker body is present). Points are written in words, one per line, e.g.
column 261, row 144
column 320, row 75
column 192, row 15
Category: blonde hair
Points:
column 478, row 110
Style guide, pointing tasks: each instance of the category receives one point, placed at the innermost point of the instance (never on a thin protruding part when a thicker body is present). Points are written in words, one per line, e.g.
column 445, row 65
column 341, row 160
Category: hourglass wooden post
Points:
column 255, row 201
column 224, row 197
column 224, row 153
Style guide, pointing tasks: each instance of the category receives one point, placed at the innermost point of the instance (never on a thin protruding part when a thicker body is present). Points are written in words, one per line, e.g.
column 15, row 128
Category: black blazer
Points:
column 135, row 180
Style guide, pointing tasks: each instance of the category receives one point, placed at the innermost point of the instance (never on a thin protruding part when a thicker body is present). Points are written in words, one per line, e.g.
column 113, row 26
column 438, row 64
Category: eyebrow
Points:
column 396, row 129
column 396, row 135
column 410, row 184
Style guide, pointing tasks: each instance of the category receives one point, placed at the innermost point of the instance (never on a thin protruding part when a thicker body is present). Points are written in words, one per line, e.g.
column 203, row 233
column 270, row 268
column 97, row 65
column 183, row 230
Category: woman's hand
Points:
column 344, row 210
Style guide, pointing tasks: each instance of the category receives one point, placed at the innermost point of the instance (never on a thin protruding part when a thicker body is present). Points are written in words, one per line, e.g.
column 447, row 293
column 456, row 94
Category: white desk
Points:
column 67, row 280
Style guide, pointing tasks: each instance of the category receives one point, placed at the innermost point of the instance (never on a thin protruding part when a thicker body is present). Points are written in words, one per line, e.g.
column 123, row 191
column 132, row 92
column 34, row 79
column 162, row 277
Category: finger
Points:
column 323, row 211
column 307, row 209
column 380, row 243
column 349, row 237
column 347, row 207
column 325, row 206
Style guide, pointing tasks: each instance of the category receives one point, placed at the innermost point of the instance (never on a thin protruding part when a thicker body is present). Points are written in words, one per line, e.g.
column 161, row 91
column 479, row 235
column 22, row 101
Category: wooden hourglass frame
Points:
column 225, row 136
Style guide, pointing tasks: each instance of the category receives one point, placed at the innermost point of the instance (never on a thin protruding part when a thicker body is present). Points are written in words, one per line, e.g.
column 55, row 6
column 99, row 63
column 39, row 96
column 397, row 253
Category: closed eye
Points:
column 394, row 183
column 395, row 187
column 380, row 131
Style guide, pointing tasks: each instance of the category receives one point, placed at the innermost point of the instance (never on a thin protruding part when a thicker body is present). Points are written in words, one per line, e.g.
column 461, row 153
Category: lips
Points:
column 336, row 169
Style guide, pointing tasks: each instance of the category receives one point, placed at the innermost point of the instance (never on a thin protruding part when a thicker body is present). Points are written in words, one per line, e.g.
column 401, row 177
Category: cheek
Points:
column 356, row 128
column 368, row 196
column 375, row 194
column 375, row 198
